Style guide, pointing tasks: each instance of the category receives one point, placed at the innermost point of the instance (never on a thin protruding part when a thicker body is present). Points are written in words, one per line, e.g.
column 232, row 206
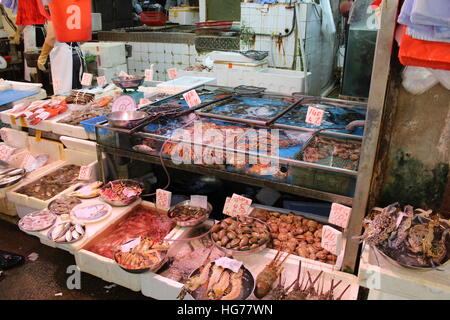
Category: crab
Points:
column 381, row 226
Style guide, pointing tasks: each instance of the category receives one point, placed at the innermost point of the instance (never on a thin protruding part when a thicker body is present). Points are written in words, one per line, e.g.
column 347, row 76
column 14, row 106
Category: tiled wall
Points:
column 274, row 19
column 162, row 55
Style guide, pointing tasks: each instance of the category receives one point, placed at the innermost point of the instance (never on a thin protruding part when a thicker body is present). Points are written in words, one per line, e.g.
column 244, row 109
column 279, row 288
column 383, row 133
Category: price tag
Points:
column 339, row 215
column 6, row 152
column 227, row 263
column 192, row 98
column 148, row 74
column 130, row 245
column 237, row 206
column 163, row 199
column 86, row 80
column 85, row 173
column 144, row 101
column 199, row 201
column 124, row 103
column 331, row 240
column 172, row 73
column 123, row 74
column 101, row 81
column 314, row 116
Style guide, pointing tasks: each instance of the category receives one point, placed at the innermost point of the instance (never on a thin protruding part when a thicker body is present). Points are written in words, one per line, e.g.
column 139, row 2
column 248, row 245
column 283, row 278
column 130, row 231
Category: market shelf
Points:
column 226, row 175
column 376, row 273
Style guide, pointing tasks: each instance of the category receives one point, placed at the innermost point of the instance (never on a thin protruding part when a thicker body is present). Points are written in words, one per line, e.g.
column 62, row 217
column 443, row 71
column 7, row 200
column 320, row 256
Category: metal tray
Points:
column 248, row 284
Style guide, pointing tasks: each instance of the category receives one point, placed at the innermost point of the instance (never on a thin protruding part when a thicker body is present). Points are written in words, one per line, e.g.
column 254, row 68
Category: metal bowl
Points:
column 234, row 252
column 128, row 82
column 122, row 203
column 248, row 285
column 126, row 119
column 189, row 223
column 155, row 268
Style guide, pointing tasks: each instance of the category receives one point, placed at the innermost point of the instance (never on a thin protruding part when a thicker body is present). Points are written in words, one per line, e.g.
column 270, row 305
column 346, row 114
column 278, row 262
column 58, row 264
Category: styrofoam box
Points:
column 78, row 152
column 107, row 269
column 184, row 15
column 377, row 273
column 51, row 148
column 244, row 66
column 44, row 125
column 275, row 80
column 109, row 54
column 92, row 229
column 96, row 21
column 112, row 72
column 188, row 82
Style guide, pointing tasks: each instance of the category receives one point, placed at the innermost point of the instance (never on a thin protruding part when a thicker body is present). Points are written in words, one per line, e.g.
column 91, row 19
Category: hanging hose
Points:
column 7, row 18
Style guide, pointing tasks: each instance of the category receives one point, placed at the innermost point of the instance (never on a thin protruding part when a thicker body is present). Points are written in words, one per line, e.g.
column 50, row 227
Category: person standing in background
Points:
column 67, row 59
column 30, row 22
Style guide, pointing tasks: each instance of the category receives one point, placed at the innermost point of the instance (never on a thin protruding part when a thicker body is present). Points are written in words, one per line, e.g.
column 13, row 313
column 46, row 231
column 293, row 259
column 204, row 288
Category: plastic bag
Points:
column 443, row 76
column 417, row 80
column 72, row 20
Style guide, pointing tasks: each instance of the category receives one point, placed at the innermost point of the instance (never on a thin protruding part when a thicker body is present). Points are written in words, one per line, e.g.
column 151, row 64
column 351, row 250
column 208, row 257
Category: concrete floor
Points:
column 47, row 276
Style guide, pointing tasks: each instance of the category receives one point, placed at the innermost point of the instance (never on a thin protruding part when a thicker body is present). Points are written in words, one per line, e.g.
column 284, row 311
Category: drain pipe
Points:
column 302, row 51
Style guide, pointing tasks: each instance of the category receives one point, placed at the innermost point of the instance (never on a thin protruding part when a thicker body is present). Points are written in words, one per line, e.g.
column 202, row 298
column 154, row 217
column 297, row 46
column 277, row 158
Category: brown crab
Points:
column 380, row 227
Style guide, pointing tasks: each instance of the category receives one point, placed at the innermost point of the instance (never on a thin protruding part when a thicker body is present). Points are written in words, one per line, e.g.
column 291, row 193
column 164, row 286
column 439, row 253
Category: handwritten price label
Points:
column 86, row 80
column 101, row 81
column 148, row 74
column 237, row 206
column 199, row 201
column 172, row 73
column 314, row 116
column 331, row 240
column 6, row 152
column 163, row 199
column 339, row 215
column 192, row 98
column 85, row 173
column 124, row 103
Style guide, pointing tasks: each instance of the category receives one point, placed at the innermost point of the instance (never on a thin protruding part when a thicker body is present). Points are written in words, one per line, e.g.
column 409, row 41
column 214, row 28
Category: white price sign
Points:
column 199, row 201
column 149, row 74
column 314, row 116
column 85, row 173
column 339, row 215
column 101, row 81
column 86, row 80
column 172, row 73
column 237, row 206
column 331, row 240
column 163, row 199
column 192, row 98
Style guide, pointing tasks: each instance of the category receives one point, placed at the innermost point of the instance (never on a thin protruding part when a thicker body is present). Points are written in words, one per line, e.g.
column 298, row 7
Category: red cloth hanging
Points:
column 28, row 13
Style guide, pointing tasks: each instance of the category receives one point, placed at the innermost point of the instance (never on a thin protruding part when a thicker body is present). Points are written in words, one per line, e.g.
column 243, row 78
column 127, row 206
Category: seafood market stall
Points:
column 315, row 161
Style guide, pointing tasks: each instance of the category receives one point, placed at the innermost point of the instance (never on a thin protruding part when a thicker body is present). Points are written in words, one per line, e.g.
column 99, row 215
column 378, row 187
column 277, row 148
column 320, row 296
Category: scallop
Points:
column 69, row 236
